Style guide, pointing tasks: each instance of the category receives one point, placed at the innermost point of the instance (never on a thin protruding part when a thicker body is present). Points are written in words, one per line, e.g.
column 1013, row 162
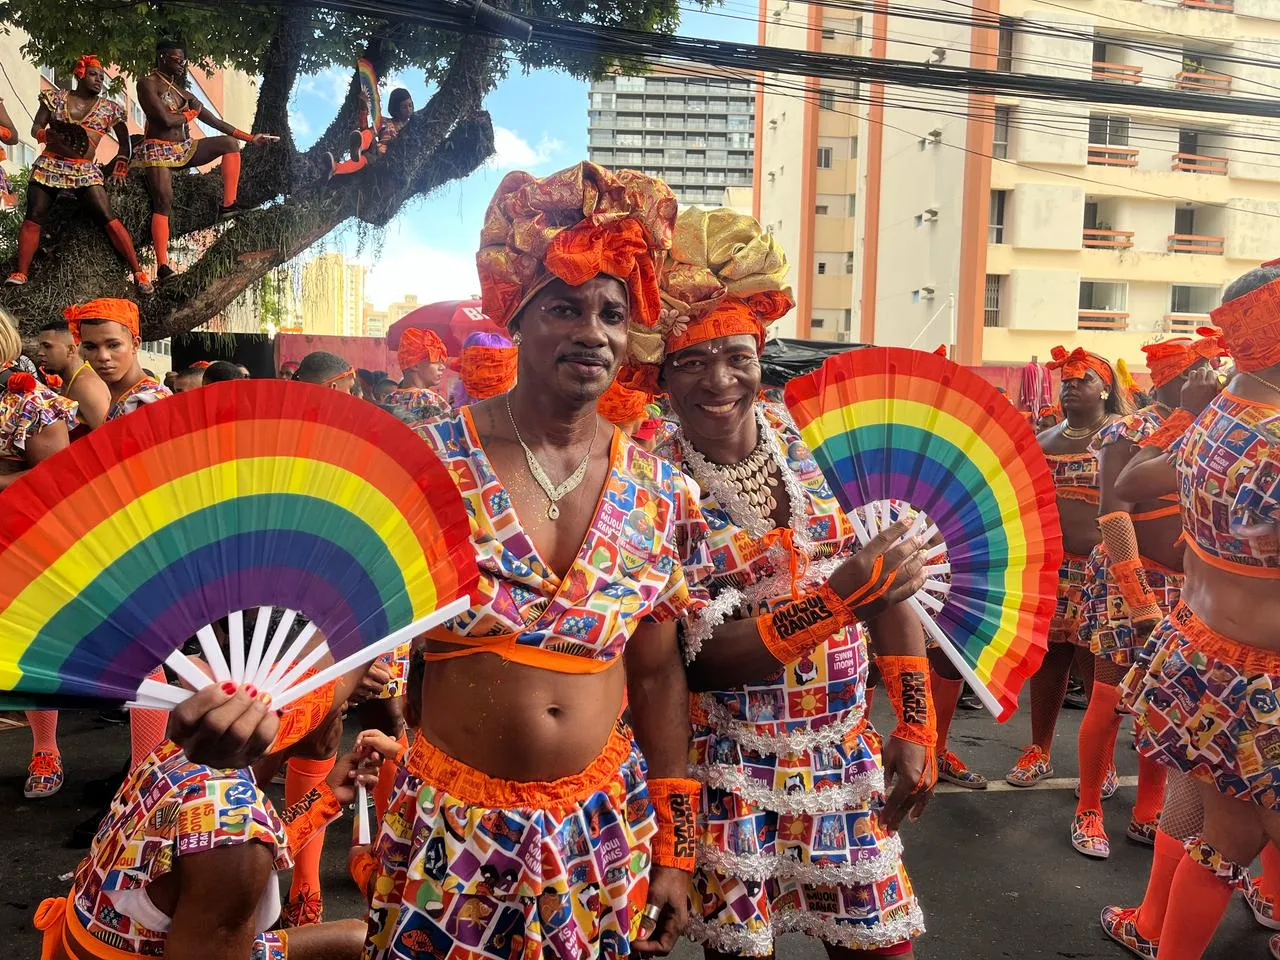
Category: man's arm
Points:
column 218, row 895
column 94, row 397
column 40, row 121
column 10, row 133
column 1148, row 476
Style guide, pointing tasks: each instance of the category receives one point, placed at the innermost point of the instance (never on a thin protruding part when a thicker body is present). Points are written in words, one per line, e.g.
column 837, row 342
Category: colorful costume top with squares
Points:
column 415, row 405
column 168, row 808
column 791, row 770
column 73, row 173
column 140, row 394
column 24, row 413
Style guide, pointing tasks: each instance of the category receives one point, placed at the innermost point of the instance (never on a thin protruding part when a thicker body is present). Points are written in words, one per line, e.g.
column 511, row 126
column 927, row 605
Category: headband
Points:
column 84, row 63
column 420, row 346
column 486, row 371
column 1171, row 359
column 1250, row 326
column 123, row 312
column 1077, row 364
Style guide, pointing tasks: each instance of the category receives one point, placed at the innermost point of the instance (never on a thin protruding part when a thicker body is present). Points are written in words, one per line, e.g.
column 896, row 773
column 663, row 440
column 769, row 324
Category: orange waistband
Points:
column 65, row 937
column 1157, row 514
column 504, row 645
column 471, row 786
column 1241, row 656
column 1243, row 570
column 1082, row 494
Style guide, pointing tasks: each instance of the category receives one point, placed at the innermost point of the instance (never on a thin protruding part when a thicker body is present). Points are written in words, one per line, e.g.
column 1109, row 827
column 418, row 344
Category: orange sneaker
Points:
column 1088, row 835
column 1121, row 925
column 45, row 776
column 1032, row 767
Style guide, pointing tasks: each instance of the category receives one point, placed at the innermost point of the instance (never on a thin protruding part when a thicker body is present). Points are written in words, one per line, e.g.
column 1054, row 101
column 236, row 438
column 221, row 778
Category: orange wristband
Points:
column 306, row 818
column 675, row 804
column 241, row 135
column 793, row 631
column 1171, row 431
column 906, row 682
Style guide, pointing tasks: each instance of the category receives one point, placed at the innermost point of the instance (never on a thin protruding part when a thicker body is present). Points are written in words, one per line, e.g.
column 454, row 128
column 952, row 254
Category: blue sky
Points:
column 540, row 125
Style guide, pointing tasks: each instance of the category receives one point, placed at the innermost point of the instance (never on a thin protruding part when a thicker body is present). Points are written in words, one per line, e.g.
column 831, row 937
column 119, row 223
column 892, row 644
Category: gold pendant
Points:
column 553, row 512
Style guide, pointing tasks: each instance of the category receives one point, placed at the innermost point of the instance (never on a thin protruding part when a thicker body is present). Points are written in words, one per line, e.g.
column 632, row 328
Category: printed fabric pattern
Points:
column 1073, row 577
column 164, row 153
column 1105, row 627
column 140, row 394
column 397, row 661
column 791, row 772
column 75, row 173
column 415, row 405
column 25, row 414
column 169, row 808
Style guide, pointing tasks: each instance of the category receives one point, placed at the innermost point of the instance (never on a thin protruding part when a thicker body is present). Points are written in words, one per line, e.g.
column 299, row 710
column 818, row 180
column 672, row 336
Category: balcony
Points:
column 1098, row 239
column 1103, row 320
column 1199, row 163
column 1196, row 243
column 1116, row 72
column 1198, row 81
column 1103, row 156
column 1185, row 324
column 1218, row 6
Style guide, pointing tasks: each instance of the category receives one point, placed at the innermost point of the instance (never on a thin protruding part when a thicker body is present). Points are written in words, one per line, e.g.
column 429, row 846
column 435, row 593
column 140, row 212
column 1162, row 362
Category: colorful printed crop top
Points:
column 140, row 394
column 628, row 569
column 1076, row 476
column 25, row 414
column 1229, row 475
column 1134, row 429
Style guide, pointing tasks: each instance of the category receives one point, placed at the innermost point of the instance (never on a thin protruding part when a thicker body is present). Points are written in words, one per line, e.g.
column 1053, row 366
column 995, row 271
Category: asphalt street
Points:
column 994, row 870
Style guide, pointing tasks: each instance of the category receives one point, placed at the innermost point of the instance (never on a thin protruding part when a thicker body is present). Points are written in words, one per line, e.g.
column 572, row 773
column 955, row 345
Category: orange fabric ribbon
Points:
column 486, row 371
column 420, row 346
column 1076, row 365
column 1251, row 327
column 797, row 560
column 621, row 405
column 84, row 64
column 729, row 318
column 123, row 312
column 1169, row 360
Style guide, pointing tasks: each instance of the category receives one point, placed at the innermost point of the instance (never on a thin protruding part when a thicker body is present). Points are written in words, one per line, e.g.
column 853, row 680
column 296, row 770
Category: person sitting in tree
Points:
column 8, row 135
column 368, row 144
column 71, row 124
column 167, row 145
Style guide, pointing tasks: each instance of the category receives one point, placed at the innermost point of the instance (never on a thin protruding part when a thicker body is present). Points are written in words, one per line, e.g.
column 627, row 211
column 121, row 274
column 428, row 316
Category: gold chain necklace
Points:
column 1080, row 433
column 552, row 491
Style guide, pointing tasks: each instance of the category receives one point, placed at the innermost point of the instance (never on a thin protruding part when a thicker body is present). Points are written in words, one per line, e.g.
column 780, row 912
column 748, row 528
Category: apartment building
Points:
column 333, row 301
column 1005, row 225
column 693, row 127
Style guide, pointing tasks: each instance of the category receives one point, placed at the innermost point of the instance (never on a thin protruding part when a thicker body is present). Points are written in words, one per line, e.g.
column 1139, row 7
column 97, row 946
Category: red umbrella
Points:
column 452, row 320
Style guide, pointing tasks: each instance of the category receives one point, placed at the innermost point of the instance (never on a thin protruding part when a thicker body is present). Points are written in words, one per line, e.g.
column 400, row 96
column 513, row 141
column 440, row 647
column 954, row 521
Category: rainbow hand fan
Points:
column 368, row 78
column 901, row 432
column 241, row 495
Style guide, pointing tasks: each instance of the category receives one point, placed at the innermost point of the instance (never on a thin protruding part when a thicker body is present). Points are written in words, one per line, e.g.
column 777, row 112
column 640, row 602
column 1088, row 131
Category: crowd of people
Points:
column 653, row 720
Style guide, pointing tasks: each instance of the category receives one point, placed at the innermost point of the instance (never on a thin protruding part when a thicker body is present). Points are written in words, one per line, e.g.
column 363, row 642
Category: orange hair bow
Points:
column 420, row 346
column 1076, row 365
column 123, row 312
column 84, row 63
column 1169, row 360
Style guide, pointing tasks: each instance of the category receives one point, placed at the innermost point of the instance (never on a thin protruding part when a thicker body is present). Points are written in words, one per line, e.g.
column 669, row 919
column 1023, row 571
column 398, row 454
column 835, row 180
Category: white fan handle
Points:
column 235, row 643
column 362, row 815
column 957, row 660
column 273, row 651
column 260, row 628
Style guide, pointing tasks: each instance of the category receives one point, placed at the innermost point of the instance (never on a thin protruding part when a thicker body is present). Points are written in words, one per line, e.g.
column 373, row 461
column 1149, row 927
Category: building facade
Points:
column 333, row 296
column 1005, row 225
column 693, row 127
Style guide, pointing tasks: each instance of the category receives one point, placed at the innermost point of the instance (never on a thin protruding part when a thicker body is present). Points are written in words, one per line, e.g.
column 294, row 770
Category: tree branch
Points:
column 269, row 170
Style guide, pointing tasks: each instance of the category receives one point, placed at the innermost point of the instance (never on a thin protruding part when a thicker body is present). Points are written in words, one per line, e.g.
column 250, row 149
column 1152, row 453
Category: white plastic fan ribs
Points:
column 278, row 667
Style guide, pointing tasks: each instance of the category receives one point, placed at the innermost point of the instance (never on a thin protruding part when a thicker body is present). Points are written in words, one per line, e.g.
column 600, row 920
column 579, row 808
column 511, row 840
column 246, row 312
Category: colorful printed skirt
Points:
column 397, row 661
column 1073, row 577
column 471, row 866
column 791, row 843
column 1209, row 708
column 1105, row 627
column 164, row 153
column 59, row 173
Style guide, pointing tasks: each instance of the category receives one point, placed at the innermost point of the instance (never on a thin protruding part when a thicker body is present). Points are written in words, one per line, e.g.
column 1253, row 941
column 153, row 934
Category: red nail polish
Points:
column 251, row 690
column 229, row 688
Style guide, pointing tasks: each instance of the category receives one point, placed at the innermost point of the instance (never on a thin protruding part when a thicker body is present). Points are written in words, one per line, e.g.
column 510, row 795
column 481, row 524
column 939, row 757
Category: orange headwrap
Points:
column 1169, row 360
column 486, row 371
column 420, row 346
column 621, row 405
column 123, row 312
column 575, row 224
column 1251, row 327
column 1076, row 364
column 84, row 63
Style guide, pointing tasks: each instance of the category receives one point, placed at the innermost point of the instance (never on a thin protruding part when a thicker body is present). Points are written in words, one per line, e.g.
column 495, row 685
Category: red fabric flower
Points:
column 21, row 382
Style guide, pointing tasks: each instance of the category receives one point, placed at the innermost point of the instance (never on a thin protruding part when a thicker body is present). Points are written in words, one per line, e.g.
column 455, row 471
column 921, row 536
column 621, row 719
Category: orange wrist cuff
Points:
column 241, row 135
column 675, row 804
column 906, row 682
column 793, row 631
column 1131, row 579
column 42, row 136
column 1171, row 431
column 306, row 818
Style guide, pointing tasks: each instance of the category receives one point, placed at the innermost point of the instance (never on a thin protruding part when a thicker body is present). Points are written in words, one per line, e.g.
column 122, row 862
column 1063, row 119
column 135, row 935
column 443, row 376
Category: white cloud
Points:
column 409, row 264
column 513, row 152
column 299, row 123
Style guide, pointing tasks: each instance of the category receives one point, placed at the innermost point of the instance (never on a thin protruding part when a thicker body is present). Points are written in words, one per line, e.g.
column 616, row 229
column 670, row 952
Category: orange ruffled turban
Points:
column 486, row 371
column 420, row 346
column 84, row 63
column 621, row 405
column 575, row 225
column 1250, row 326
column 123, row 312
column 1076, row 364
column 1169, row 360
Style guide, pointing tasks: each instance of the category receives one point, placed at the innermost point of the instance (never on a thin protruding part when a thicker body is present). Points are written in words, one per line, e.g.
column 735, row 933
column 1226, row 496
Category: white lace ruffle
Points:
column 758, row 867
column 703, row 625
column 779, row 585
column 849, row 795
column 760, row 943
column 792, row 744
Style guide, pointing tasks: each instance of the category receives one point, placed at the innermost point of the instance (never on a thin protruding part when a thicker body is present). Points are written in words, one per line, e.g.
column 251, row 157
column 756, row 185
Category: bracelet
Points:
column 1171, row 431
column 241, row 135
column 906, row 682
column 795, row 630
column 306, row 818
column 42, row 135
column 675, row 804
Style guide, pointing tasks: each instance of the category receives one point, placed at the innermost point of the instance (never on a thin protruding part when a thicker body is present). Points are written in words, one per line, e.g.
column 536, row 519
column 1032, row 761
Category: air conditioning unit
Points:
column 927, row 292
column 929, row 215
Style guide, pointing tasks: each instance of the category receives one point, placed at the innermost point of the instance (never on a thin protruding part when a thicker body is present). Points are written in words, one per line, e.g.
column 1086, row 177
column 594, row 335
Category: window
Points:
column 915, row 296
column 1004, row 45
column 853, row 205
column 822, row 267
column 848, row 262
column 630, row 83
column 1000, row 135
column 1184, row 221
column 919, row 220
column 828, row 33
column 995, row 218
column 824, row 158
column 991, row 301
column 821, row 210
column 49, row 74
column 853, row 148
column 826, row 99
column 857, row 29
column 848, row 318
column 1091, row 215
column 1109, row 129
column 1188, row 142
column 817, row 323
column 1180, row 299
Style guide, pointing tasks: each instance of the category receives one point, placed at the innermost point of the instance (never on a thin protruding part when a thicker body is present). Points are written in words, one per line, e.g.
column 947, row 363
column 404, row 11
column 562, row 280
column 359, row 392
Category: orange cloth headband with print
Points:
column 123, row 312
column 84, row 63
column 1251, row 326
column 486, row 371
column 1076, row 365
column 1169, row 360
column 420, row 346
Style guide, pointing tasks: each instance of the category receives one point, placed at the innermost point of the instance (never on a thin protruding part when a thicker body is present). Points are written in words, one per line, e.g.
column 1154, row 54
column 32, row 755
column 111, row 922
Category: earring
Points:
column 516, row 339
column 1105, row 395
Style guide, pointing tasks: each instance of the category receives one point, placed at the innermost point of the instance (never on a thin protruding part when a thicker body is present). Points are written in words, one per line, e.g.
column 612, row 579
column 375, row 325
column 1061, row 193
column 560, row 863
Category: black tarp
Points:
column 783, row 359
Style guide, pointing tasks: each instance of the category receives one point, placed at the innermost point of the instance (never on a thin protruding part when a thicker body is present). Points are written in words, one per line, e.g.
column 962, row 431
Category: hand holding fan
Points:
column 900, row 432
column 240, row 495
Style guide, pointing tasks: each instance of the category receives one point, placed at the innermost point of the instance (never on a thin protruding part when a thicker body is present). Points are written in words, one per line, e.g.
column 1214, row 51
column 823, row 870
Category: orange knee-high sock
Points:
column 44, row 730
column 230, row 177
column 1097, row 744
column 299, row 778
column 28, row 244
column 345, row 167
column 1269, row 882
column 946, row 693
column 1151, row 781
column 1197, row 900
column 1169, row 853
column 387, row 782
column 160, row 238
column 123, row 243
column 147, row 728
